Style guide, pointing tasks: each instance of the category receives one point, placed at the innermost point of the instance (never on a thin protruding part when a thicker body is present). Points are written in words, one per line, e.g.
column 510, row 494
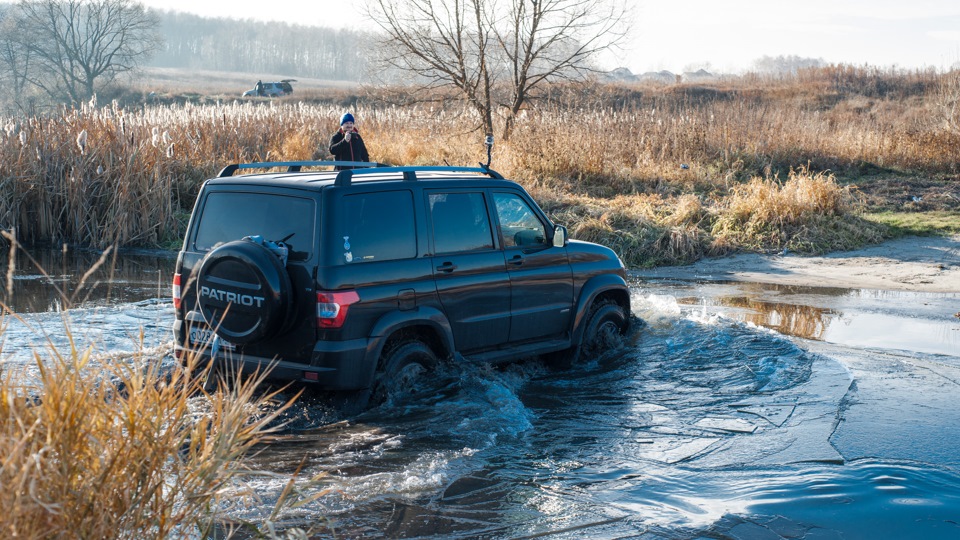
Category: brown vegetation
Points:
column 122, row 450
column 96, row 444
column 662, row 173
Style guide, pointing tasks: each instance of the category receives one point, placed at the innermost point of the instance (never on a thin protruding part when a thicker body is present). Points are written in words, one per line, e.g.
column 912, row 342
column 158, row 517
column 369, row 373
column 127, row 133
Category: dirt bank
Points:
column 930, row 264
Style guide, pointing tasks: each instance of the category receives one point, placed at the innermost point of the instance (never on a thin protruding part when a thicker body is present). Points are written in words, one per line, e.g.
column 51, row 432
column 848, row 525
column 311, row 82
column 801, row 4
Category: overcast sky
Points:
column 727, row 34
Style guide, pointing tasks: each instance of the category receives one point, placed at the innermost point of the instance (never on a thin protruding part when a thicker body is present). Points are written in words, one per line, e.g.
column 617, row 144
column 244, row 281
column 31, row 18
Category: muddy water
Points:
column 738, row 411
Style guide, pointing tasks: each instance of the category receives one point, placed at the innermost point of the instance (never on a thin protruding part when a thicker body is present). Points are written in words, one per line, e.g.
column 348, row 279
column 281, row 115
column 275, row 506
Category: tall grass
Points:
column 132, row 452
column 809, row 213
column 104, row 175
column 105, row 444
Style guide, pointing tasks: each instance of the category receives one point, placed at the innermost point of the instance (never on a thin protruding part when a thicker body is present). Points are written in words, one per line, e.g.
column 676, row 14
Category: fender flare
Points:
column 591, row 290
column 395, row 321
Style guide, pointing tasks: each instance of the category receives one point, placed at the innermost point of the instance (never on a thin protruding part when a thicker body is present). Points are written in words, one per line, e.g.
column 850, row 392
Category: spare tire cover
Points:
column 243, row 292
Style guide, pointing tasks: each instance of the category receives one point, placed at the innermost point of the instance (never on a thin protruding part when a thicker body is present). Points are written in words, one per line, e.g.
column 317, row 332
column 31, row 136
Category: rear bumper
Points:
column 350, row 360
column 334, row 365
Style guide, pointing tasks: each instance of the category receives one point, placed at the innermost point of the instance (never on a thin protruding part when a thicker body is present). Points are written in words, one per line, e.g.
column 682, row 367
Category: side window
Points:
column 460, row 222
column 377, row 227
column 518, row 222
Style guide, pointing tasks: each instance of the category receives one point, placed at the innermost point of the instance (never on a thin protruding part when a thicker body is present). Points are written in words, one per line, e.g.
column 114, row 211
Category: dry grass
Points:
column 129, row 452
column 100, row 444
column 661, row 174
column 661, row 161
column 809, row 213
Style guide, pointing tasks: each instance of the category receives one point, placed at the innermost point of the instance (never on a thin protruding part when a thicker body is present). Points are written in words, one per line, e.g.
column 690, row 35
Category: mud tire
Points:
column 401, row 366
column 606, row 323
column 605, row 327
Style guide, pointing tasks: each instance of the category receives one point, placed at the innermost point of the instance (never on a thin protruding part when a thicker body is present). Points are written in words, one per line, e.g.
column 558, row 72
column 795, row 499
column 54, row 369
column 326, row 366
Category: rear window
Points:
column 230, row 216
column 378, row 227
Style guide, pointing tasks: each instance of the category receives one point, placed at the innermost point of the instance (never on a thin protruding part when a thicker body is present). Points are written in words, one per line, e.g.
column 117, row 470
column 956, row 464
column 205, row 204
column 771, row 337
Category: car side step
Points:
column 520, row 351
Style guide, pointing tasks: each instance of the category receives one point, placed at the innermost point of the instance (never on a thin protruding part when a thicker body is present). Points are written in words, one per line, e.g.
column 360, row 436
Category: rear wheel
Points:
column 402, row 366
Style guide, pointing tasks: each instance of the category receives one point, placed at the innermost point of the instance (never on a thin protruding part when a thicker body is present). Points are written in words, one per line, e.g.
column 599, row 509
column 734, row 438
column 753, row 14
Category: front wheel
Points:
column 606, row 325
column 606, row 322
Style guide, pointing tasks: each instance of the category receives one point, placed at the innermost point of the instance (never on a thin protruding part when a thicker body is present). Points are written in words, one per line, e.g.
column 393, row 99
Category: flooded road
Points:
column 740, row 411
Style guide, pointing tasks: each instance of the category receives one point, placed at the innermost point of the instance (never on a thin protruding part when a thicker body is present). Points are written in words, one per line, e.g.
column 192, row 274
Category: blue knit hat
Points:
column 347, row 117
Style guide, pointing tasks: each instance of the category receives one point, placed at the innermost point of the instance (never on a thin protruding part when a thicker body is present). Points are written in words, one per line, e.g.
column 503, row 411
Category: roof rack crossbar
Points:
column 295, row 166
column 345, row 178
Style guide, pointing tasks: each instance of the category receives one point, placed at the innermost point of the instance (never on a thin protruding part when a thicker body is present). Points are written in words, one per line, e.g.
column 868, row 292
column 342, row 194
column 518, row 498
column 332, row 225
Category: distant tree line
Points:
column 67, row 50
column 785, row 64
column 221, row 44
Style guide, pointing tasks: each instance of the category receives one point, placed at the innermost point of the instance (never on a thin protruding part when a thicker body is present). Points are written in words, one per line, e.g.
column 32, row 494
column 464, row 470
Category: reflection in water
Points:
column 901, row 320
column 54, row 280
column 790, row 319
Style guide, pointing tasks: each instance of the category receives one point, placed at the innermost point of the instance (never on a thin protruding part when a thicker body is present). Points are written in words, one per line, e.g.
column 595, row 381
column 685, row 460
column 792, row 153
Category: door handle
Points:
column 447, row 267
column 516, row 260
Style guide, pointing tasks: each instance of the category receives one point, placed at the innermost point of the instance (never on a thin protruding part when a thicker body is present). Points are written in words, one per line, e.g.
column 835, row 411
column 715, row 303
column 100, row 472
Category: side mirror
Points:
column 559, row 236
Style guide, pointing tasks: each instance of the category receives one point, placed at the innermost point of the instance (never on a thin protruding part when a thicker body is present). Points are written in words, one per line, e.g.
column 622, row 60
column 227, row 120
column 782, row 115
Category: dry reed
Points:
column 132, row 177
column 101, row 444
column 134, row 451
column 809, row 213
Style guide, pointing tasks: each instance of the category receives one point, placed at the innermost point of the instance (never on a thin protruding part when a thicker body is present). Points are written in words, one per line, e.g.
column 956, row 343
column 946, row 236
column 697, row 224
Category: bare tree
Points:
column 497, row 53
column 79, row 46
column 15, row 57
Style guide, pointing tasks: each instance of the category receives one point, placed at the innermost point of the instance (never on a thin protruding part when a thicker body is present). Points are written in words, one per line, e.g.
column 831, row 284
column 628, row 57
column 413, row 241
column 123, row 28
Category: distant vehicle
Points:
column 271, row 89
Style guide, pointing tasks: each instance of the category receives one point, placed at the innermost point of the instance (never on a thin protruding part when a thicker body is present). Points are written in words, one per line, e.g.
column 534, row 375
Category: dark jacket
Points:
column 342, row 150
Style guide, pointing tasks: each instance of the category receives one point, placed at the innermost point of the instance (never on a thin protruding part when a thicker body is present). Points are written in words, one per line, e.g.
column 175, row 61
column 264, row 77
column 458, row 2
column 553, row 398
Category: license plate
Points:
column 204, row 338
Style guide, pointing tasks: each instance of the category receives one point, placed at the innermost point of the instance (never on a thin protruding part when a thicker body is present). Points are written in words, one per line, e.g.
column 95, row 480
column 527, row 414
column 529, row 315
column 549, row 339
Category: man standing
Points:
column 346, row 144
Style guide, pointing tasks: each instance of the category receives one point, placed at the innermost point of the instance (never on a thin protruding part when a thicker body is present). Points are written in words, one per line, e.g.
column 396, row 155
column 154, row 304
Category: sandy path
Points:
column 929, row 264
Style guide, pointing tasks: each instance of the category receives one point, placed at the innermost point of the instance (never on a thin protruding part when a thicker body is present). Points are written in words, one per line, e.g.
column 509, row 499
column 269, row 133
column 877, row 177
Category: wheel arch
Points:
column 607, row 287
column 428, row 325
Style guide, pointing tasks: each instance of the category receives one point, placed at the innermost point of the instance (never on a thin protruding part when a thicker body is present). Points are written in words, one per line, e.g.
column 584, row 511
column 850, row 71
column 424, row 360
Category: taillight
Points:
column 332, row 307
column 176, row 291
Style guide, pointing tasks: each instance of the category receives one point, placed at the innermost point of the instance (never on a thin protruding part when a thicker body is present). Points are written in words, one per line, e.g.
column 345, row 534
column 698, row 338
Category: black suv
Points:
column 356, row 279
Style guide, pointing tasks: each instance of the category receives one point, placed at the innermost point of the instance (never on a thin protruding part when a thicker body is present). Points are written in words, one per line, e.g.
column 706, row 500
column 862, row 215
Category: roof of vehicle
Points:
column 295, row 176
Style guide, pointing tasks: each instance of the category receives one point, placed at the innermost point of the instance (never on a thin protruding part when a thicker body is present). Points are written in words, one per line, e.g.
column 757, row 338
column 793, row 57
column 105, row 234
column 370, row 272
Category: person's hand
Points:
column 347, row 135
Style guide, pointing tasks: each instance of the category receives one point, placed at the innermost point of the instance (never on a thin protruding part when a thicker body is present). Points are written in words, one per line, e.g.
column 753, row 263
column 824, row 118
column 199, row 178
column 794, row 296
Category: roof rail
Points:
column 345, row 178
column 295, row 166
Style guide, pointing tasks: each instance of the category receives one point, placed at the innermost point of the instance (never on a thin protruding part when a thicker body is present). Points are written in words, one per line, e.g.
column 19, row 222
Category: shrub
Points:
column 809, row 213
column 134, row 451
